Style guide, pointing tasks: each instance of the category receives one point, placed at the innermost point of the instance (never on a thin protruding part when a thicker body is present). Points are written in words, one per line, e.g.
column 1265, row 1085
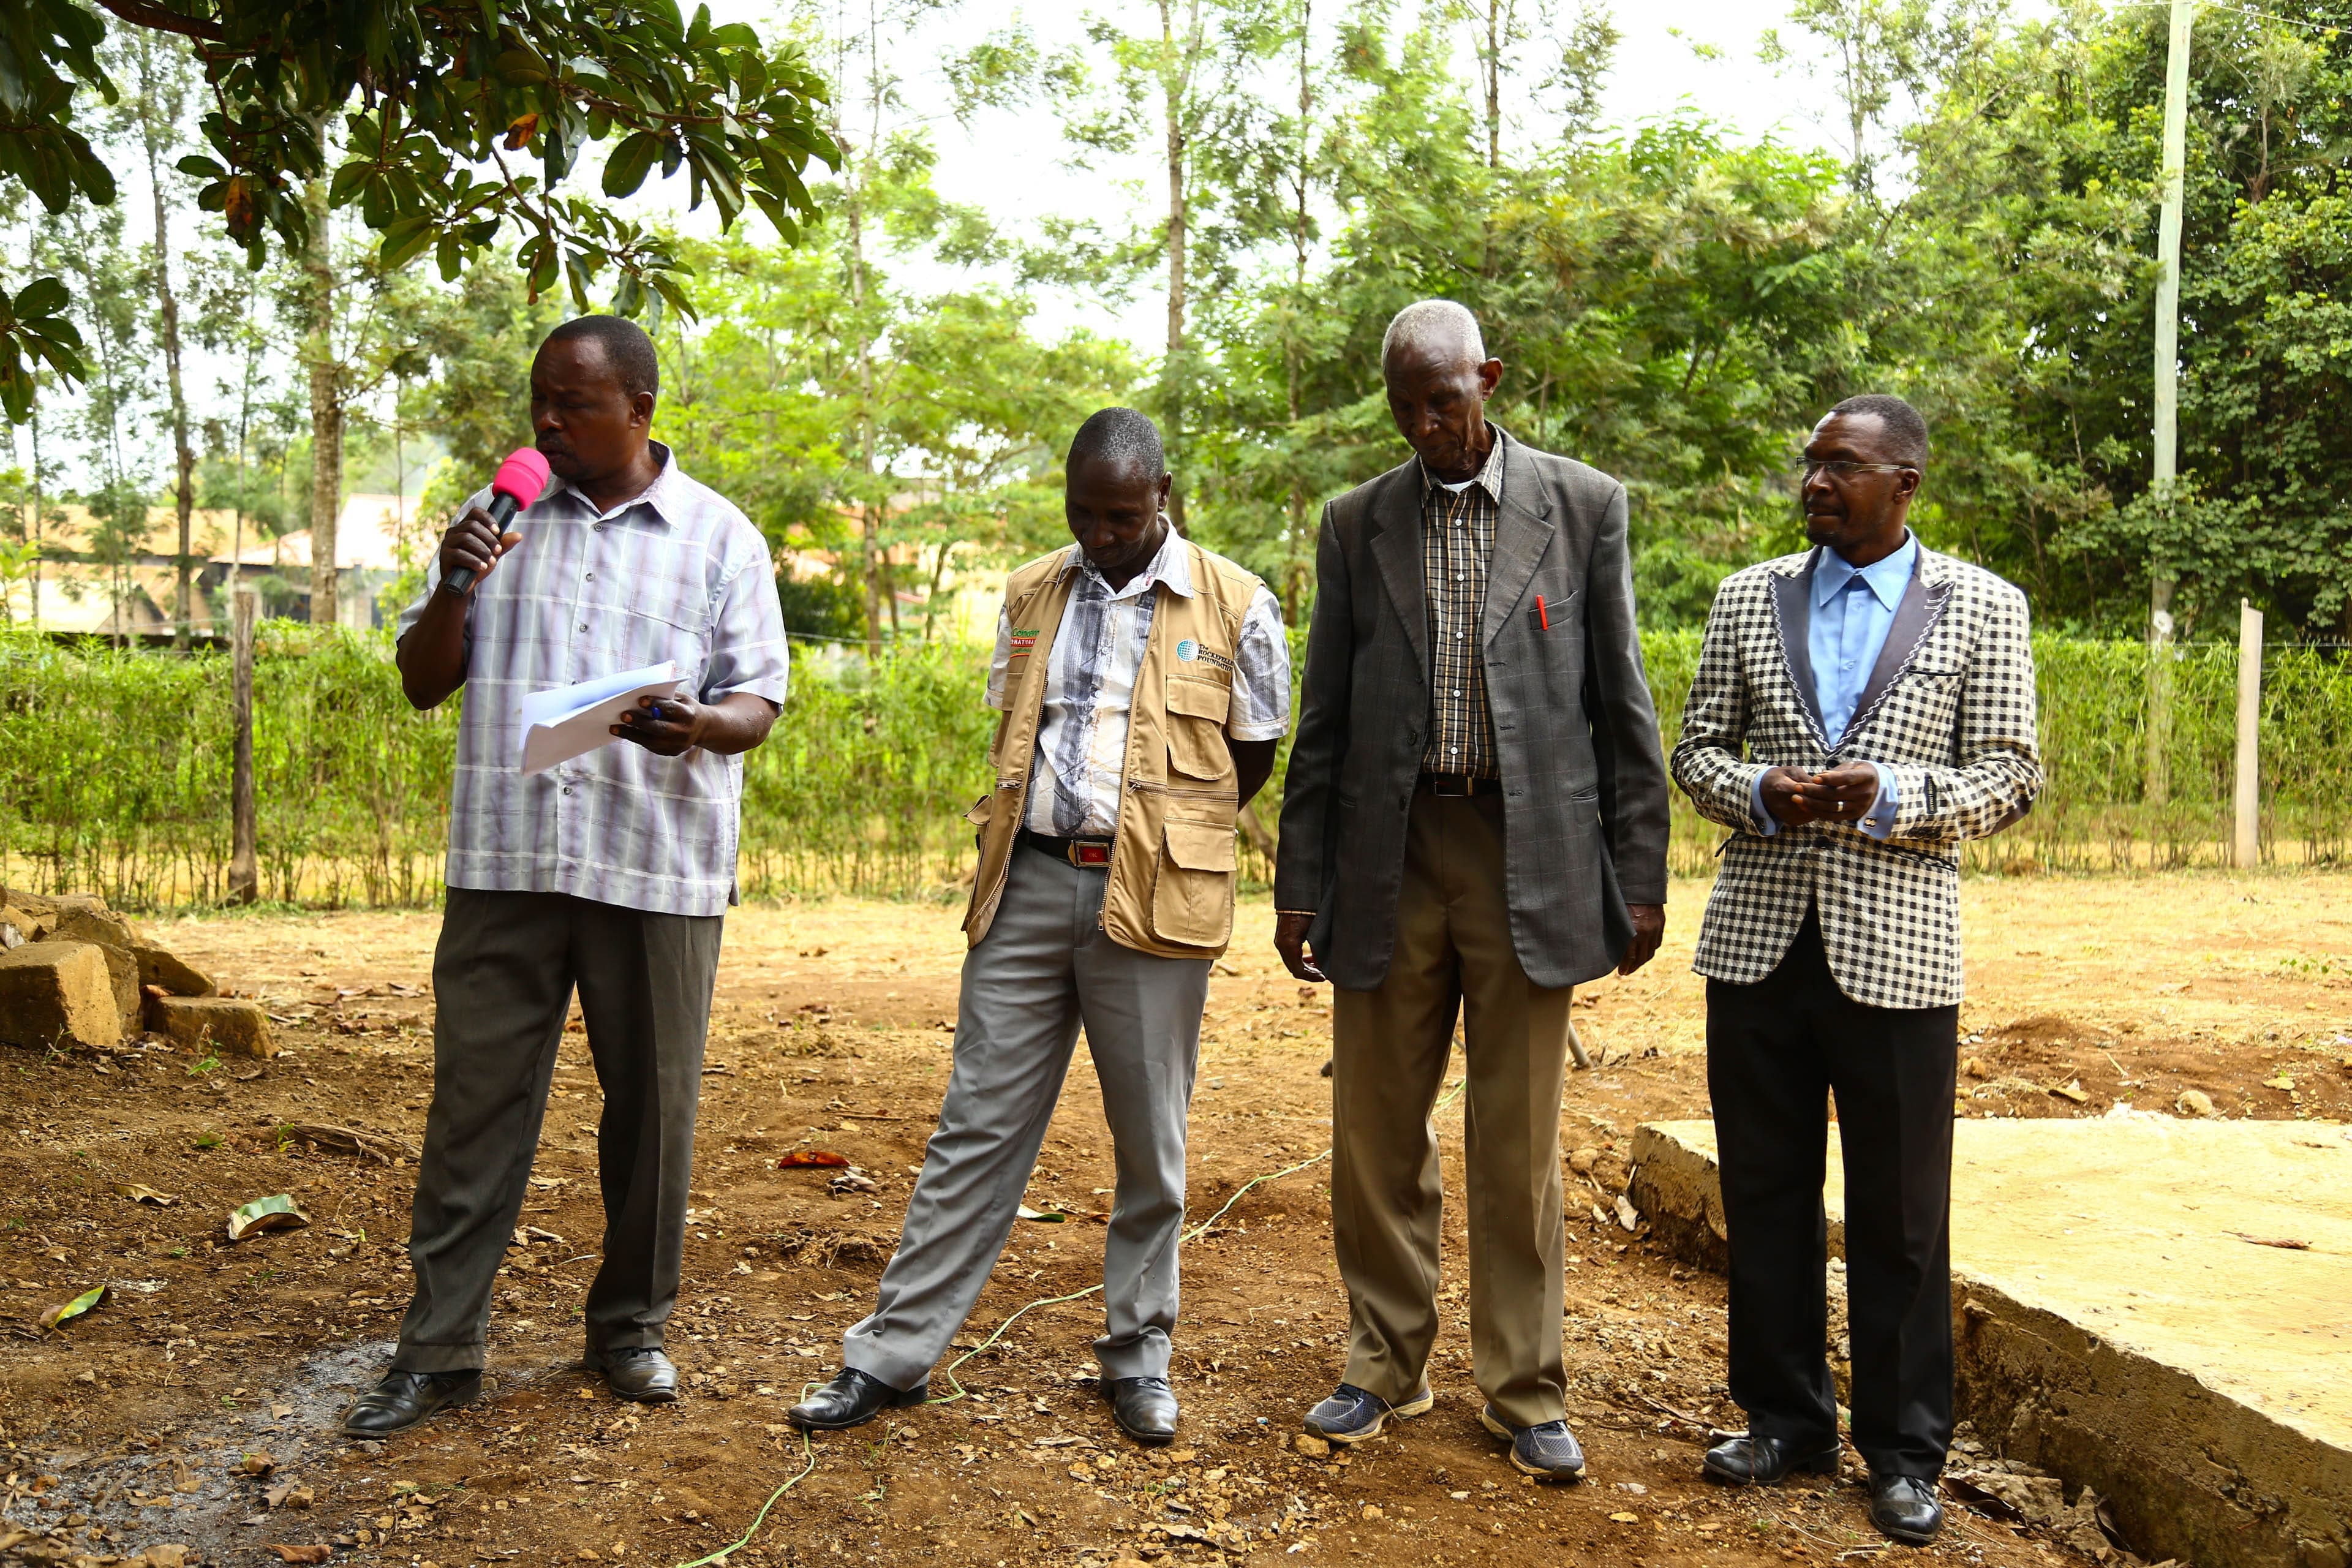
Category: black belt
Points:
column 1455, row 785
column 1081, row 852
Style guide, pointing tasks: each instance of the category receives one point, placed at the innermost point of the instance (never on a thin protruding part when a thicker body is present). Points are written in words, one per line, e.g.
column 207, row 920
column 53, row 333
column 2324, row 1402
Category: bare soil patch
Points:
column 208, row 1381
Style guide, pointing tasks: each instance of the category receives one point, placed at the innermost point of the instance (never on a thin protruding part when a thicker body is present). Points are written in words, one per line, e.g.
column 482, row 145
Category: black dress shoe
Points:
column 852, row 1399
column 637, row 1373
column 404, row 1398
column 1765, row 1461
column 1144, row 1408
column 1905, row 1507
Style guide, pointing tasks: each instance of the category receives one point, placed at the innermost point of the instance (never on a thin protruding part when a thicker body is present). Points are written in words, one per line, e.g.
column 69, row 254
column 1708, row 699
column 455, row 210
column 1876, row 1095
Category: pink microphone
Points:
column 517, row 484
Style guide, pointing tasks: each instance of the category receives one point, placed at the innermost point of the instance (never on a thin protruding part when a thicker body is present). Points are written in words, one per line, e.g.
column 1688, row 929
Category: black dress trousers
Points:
column 1776, row 1051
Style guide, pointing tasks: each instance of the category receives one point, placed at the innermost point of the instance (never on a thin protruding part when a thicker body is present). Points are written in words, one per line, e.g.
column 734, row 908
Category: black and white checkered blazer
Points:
column 1948, row 711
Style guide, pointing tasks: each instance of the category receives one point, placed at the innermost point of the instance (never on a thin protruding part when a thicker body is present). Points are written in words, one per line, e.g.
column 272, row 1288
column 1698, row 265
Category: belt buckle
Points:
column 1449, row 786
column 1086, row 854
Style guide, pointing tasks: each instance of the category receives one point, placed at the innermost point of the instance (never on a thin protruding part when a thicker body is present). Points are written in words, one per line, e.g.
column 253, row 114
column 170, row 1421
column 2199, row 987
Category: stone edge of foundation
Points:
column 2189, row 1471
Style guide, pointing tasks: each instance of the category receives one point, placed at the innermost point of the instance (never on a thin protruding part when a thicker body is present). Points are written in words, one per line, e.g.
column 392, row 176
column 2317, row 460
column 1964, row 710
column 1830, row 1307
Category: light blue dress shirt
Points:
column 1853, row 611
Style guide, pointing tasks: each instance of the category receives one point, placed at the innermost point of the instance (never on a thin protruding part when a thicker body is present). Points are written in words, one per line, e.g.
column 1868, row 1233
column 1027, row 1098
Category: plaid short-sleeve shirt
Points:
column 677, row 573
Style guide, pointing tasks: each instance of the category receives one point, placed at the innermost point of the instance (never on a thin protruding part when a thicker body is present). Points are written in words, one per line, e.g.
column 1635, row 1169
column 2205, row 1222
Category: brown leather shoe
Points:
column 637, row 1373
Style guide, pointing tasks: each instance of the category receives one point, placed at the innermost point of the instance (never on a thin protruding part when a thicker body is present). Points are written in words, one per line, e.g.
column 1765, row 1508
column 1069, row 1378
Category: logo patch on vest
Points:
column 1023, row 641
column 1188, row 650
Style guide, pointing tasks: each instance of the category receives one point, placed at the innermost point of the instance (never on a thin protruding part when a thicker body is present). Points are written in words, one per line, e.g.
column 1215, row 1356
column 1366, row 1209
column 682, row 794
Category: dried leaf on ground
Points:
column 812, row 1158
column 2288, row 1242
column 1043, row 1216
column 321, row 1554
column 65, row 1311
column 138, row 1193
column 277, row 1212
column 2072, row 1091
column 852, row 1180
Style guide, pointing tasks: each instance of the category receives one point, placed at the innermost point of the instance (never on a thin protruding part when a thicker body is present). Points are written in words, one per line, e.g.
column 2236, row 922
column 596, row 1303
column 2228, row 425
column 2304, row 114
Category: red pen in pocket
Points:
column 1543, row 616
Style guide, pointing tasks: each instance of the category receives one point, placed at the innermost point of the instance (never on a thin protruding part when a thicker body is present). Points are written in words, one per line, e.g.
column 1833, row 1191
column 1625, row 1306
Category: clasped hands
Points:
column 1842, row 794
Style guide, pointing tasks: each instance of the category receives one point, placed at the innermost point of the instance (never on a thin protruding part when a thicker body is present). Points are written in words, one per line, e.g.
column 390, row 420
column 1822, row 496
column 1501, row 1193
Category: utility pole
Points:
column 2158, row 788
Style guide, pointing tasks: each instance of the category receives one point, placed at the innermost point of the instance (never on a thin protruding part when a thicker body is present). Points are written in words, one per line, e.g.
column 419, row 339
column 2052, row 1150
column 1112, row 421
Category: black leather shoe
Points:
column 852, row 1399
column 1144, row 1408
column 1905, row 1507
column 404, row 1398
column 1766, row 1461
column 637, row 1373
column 1546, row 1450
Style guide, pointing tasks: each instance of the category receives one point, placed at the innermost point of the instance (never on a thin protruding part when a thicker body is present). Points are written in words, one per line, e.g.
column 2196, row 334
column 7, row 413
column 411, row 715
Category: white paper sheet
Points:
column 573, row 720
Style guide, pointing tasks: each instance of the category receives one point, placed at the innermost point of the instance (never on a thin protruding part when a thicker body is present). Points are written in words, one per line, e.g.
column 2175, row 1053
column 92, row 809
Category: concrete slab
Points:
column 2120, row 1321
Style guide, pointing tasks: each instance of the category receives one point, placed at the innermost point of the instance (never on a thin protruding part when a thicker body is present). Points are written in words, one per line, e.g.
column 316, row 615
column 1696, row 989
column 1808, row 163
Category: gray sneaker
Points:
column 1546, row 1450
column 1353, row 1415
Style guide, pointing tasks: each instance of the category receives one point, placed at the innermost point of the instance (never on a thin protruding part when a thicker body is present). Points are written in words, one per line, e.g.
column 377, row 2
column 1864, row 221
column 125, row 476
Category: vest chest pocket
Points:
column 1196, row 731
column 1193, row 897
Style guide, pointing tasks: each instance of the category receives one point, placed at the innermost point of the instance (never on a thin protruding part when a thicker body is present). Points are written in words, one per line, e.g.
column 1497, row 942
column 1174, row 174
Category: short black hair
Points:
column 1904, row 429
column 627, row 349
column 1119, row 435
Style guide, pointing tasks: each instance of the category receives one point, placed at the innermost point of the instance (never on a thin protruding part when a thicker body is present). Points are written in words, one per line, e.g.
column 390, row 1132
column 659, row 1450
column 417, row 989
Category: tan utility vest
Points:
column 1172, row 864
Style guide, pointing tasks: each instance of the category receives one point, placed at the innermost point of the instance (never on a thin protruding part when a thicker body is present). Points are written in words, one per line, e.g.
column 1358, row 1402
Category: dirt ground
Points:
column 195, row 1406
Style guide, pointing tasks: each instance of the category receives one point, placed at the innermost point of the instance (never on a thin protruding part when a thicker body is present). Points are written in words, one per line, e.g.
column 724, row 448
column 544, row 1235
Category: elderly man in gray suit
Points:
column 1474, row 822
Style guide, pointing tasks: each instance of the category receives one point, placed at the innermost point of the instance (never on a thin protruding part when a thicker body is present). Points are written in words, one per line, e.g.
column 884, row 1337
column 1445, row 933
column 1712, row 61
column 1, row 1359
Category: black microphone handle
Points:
column 502, row 510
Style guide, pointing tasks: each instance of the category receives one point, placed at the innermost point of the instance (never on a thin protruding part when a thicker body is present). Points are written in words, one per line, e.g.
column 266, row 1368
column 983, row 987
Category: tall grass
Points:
column 115, row 770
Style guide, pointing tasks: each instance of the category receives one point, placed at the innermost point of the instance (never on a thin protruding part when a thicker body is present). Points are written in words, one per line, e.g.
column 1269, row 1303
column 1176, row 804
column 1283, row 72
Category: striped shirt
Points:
column 1081, row 755
column 1457, row 549
column 677, row 573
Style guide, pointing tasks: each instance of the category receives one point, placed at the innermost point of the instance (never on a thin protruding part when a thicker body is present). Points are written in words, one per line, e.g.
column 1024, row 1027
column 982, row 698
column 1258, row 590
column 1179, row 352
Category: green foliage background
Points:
column 115, row 770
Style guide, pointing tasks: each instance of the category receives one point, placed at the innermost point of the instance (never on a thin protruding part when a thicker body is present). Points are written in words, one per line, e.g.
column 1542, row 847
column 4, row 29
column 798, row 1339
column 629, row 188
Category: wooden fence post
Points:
column 244, row 875
column 2248, row 839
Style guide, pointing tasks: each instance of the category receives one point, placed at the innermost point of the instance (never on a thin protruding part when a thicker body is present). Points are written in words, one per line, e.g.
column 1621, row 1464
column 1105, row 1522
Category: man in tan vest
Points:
column 1144, row 683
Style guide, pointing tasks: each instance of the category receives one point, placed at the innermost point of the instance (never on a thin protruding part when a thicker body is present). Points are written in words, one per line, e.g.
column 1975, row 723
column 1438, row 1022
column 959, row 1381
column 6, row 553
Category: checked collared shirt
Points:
column 1081, row 754
column 1457, row 549
column 676, row 574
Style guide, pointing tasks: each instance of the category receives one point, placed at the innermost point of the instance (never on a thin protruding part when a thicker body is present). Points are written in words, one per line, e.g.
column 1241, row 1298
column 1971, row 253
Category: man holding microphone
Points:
column 610, row 873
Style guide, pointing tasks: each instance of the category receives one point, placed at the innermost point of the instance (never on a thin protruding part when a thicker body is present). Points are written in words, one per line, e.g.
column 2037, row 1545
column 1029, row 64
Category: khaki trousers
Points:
column 1389, row 1048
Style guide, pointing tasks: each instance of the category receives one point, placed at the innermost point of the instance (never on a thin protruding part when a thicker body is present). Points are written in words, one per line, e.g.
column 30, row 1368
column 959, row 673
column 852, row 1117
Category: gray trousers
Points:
column 502, row 981
column 1044, row 969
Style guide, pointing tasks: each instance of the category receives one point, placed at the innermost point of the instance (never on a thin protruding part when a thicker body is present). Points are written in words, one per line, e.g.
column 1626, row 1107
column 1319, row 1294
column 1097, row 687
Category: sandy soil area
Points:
column 207, row 1383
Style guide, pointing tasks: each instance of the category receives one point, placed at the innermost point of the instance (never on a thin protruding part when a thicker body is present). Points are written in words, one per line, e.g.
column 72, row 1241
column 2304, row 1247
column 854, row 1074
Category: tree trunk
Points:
column 183, row 494
column 244, row 875
column 1172, row 80
column 1295, row 571
column 1495, row 84
column 35, row 534
column 326, row 412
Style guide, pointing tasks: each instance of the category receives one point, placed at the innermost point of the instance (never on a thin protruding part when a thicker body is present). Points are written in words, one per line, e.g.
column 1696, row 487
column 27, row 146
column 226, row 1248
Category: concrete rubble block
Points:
column 2128, row 1314
column 94, row 924
column 31, row 925
column 167, row 972
column 57, row 994
column 225, row 1025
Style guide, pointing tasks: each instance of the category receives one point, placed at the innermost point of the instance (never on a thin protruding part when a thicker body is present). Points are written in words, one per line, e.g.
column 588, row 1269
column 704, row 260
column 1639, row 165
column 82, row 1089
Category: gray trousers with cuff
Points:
column 503, row 975
column 1044, row 969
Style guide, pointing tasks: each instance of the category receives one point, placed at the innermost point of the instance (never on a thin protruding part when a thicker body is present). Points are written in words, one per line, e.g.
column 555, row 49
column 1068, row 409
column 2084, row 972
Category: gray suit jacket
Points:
column 1584, row 781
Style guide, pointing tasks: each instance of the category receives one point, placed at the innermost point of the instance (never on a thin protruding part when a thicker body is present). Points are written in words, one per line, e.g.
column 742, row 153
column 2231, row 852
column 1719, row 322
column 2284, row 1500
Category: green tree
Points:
column 449, row 100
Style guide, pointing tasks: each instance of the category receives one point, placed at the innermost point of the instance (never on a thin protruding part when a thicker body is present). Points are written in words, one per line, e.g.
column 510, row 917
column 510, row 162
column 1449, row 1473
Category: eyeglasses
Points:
column 1837, row 468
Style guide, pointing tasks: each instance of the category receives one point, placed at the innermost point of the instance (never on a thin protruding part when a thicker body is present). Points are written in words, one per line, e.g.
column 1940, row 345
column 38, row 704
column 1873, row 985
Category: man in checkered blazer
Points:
column 1859, row 709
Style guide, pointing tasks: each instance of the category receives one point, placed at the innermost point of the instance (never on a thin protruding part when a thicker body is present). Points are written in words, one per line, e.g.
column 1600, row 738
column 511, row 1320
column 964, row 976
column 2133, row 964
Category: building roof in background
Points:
column 367, row 536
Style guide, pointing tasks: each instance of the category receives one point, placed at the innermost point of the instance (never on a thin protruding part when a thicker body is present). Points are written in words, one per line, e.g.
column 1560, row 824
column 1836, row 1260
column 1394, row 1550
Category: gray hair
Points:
column 1434, row 326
